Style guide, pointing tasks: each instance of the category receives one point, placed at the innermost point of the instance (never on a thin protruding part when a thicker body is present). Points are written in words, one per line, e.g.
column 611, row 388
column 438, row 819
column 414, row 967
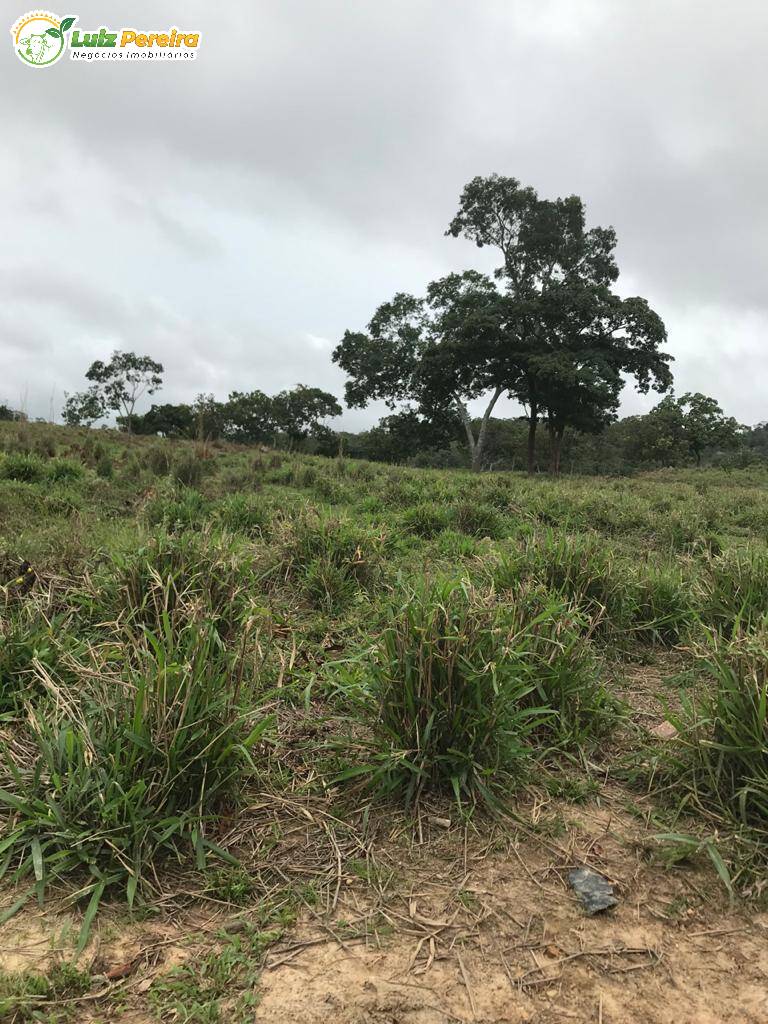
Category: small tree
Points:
column 124, row 380
column 705, row 425
column 436, row 353
column 83, row 408
column 250, row 417
column 209, row 417
column 300, row 411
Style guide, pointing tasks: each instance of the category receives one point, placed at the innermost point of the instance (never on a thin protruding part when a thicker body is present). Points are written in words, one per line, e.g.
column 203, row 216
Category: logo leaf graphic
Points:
column 67, row 24
column 54, row 32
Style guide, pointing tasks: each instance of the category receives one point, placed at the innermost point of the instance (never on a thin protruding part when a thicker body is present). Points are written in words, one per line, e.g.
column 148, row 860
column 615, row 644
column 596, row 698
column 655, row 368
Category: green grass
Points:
column 444, row 633
column 464, row 688
column 125, row 771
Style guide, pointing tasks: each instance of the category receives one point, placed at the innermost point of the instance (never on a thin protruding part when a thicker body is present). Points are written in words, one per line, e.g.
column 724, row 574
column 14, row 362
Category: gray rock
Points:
column 594, row 891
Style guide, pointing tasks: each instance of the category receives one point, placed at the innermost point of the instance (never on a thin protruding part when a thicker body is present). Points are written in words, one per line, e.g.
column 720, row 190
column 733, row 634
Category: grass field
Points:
column 256, row 706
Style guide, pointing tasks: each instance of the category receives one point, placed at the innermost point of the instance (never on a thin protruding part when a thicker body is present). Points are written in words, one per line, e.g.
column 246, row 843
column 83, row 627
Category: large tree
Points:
column 122, row 381
column 572, row 338
column 250, row 417
column 549, row 331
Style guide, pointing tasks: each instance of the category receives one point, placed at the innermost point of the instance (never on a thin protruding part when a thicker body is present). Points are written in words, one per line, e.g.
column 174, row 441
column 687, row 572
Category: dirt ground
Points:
column 463, row 927
column 431, row 921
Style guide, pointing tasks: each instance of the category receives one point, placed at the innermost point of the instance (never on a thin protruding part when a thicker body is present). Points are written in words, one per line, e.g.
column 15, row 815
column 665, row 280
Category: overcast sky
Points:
column 234, row 215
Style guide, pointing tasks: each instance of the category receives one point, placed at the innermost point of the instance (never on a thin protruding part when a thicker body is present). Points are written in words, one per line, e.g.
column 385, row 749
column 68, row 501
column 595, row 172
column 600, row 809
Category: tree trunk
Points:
column 533, row 420
column 476, row 446
column 466, row 420
column 557, row 448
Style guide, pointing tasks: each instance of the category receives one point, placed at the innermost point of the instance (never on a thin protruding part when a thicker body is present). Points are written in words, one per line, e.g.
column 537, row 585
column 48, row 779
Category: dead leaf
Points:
column 664, row 730
column 121, row 970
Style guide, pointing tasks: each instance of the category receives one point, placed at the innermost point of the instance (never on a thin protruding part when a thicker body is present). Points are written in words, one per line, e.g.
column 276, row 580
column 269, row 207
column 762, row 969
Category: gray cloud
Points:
column 233, row 216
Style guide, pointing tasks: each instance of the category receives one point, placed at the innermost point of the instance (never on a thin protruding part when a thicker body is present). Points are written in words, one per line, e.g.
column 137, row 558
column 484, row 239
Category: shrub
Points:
column 28, row 469
column 136, row 773
column 188, row 470
column 478, row 520
column 425, row 520
column 60, row 470
column 463, row 685
column 721, row 757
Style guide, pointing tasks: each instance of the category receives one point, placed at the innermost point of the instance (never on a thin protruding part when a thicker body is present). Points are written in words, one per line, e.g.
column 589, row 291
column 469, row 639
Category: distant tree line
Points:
column 250, row 417
column 691, row 430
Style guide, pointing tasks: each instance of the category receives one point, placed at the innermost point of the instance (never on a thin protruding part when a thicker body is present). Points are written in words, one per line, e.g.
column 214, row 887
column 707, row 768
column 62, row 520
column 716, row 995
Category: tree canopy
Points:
column 120, row 383
column 547, row 329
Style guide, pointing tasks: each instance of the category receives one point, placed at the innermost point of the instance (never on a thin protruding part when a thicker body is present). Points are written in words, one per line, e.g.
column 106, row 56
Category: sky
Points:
column 232, row 216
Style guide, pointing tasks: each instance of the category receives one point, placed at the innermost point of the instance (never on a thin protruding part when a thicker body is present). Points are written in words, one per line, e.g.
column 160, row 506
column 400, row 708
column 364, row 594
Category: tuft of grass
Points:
column 28, row 469
column 21, row 992
column 186, row 576
column 581, row 568
column 425, row 520
column 734, row 590
column 113, row 779
column 478, row 520
column 721, row 757
column 463, row 688
column 330, row 558
column 242, row 513
column 188, row 470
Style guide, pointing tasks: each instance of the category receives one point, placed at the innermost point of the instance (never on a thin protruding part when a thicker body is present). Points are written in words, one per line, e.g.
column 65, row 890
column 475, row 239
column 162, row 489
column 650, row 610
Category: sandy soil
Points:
column 441, row 923
column 466, row 928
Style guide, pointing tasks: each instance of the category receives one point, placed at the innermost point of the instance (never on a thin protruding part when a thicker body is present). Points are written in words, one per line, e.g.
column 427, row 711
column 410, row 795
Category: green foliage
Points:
column 27, row 469
column 425, row 520
column 721, row 758
column 125, row 773
column 463, row 685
